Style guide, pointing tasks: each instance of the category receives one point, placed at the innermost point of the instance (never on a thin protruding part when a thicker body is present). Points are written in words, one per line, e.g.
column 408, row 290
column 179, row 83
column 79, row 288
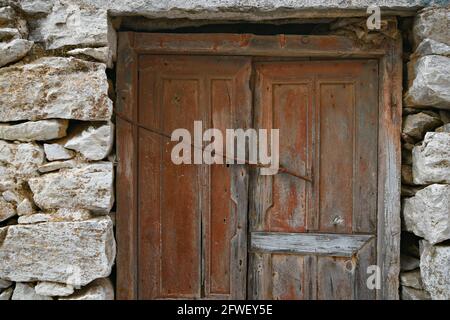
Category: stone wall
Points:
column 57, row 139
column 425, row 260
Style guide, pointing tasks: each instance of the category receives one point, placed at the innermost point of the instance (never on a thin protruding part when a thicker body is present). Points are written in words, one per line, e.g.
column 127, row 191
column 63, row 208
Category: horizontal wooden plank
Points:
column 339, row 245
column 253, row 45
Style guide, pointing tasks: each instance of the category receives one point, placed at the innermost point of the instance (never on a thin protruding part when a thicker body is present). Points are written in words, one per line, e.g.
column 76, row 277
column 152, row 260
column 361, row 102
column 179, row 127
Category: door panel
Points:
column 192, row 218
column 327, row 114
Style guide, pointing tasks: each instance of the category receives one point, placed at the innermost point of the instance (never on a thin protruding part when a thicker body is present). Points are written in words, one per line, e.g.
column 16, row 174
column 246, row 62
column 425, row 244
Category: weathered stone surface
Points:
column 7, row 210
column 89, row 186
column 5, row 284
column 102, row 54
column 432, row 24
column 7, row 34
column 431, row 84
column 7, row 15
column 236, row 9
column 100, row 289
column 14, row 50
column 427, row 214
column 429, row 47
column 6, row 294
column 411, row 279
column 408, row 293
column 431, row 159
column 94, row 143
column 53, row 289
column 33, row 7
column 19, row 162
column 34, row 130
column 25, row 291
column 444, row 128
column 75, row 253
column 25, row 207
column 55, row 151
column 63, row 214
column 435, row 270
column 415, row 125
column 54, row 87
column 56, row 165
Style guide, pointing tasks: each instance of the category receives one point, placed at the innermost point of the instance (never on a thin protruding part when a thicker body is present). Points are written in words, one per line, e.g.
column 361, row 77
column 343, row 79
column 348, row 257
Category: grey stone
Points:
column 94, row 143
column 431, row 83
column 427, row 214
column 7, row 210
column 415, row 125
column 100, row 289
column 25, row 291
column 431, row 159
column 36, row 7
column 55, row 151
column 88, row 186
column 61, row 215
column 408, row 293
column 6, row 294
column 102, row 54
column 18, row 162
column 7, row 34
column 53, row 289
column 411, row 279
column 444, row 128
column 5, row 284
column 57, row 165
column 74, row 253
column 14, row 50
column 73, row 24
column 435, row 270
column 429, row 47
column 25, row 207
column 249, row 10
column 54, row 87
column 432, row 23
column 34, row 130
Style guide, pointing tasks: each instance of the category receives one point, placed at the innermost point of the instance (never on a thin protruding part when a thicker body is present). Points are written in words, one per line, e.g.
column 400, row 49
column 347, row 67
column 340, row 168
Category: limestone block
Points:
column 88, row 186
column 75, row 253
column 431, row 83
column 14, row 50
column 427, row 214
column 415, row 125
column 435, row 270
column 34, row 130
column 52, row 289
column 431, row 159
column 100, row 289
column 54, row 87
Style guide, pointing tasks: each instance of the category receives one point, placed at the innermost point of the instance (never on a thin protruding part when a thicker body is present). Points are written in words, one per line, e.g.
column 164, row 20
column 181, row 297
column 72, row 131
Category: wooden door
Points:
column 192, row 236
column 315, row 240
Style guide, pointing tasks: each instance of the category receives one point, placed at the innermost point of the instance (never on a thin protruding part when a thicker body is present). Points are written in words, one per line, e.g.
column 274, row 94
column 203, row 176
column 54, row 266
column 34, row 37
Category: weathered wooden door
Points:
column 192, row 217
column 315, row 240
column 225, row 231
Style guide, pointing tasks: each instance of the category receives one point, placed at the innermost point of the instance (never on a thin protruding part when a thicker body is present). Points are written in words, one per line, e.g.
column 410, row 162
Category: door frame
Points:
column 388, row 54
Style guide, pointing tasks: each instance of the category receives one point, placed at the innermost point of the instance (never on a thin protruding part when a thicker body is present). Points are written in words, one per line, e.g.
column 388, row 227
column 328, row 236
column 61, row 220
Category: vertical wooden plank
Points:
column 336, row 157
column 335, row 278
column 126, row 180
column 288, row 274
column 389, row 162
column 366, row 158
column 366, row 257
column 180, row 206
